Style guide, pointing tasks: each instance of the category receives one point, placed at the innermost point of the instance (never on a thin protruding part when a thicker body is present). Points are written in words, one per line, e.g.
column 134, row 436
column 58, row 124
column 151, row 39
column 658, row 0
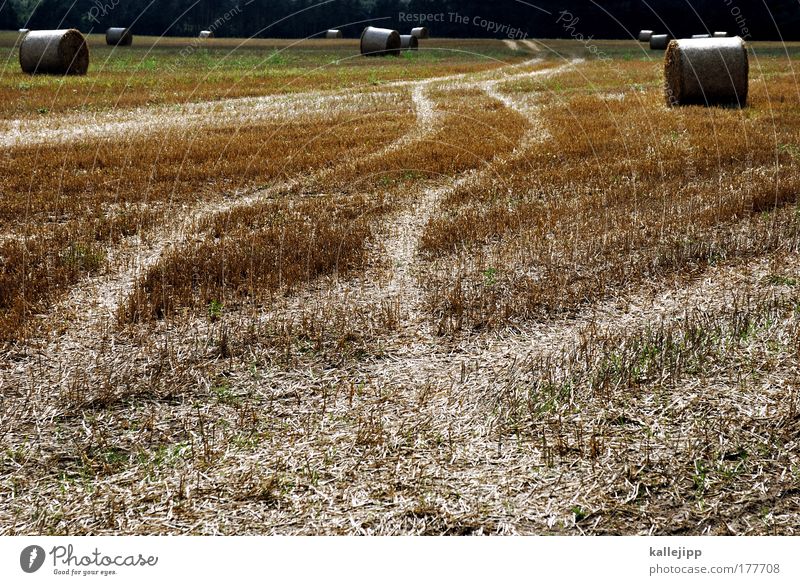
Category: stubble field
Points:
column 485, row 288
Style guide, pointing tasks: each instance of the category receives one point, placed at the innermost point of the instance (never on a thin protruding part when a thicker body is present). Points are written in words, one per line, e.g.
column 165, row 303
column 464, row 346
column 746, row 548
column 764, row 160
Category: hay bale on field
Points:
column 644, row 36
column 120, row 37
column 659, row 42
column 720, row 34
column 24, row 31
column 706, row 71
column 62, row 52
column 421, row 32
column 333, row 33
column 701, row 36
column 380, row 42
column 206, row 34
column 409, row 43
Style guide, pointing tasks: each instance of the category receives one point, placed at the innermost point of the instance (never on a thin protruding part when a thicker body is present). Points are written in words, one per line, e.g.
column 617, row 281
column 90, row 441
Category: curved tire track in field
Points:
column 402, row 248
column 401, row 236
column 420, row 359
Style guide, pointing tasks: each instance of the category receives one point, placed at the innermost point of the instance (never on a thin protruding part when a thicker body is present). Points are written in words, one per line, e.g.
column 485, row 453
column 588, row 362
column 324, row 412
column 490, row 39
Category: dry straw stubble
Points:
column 503, row 251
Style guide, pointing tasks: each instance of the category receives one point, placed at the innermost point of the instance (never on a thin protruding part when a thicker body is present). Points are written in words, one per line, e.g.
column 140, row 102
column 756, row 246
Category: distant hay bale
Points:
column 701, row 36
column 333, row 33
column 120, row 37
column 720, row 34
column 409, row 42
column 380, row 41
column 644, row 36
column 421, row 32
column 24, row 31
column 659, row 42
column 62, row 52
column 706, row 72
column 206, row 34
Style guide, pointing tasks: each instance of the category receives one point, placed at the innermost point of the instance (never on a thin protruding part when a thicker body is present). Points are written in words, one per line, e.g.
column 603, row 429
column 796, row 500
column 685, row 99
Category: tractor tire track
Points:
column 398, row 240
column 403, row 247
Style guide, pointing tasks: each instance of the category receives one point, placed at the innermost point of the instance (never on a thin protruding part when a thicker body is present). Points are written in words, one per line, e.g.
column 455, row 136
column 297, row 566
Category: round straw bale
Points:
column 119, row 36
column 421, row 32
column 54, row 51
column 409, row 42
column 206, row 34
column 701, row 36
column 659, row 42
column 720, row 34
column 24, row 31
column 380, row 41
column 333, row 33
column 644, row 36
column 706, row 71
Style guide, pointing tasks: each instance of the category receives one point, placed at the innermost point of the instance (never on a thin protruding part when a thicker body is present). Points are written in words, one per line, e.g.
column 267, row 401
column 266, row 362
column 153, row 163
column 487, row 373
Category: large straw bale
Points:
column 54, row 51
column 659, row 42
column 409, row 43
column 706, row 71
column 120, row 37
column 380, row 42
column 421, row 32
column 644, row 36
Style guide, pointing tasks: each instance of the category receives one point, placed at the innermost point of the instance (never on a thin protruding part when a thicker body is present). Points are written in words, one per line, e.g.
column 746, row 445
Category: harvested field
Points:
column 482, row 288
column 179, row 71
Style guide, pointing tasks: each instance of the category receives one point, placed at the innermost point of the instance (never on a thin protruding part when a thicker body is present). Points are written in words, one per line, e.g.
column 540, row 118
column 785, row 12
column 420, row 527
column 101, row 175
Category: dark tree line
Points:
column 758, row 19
